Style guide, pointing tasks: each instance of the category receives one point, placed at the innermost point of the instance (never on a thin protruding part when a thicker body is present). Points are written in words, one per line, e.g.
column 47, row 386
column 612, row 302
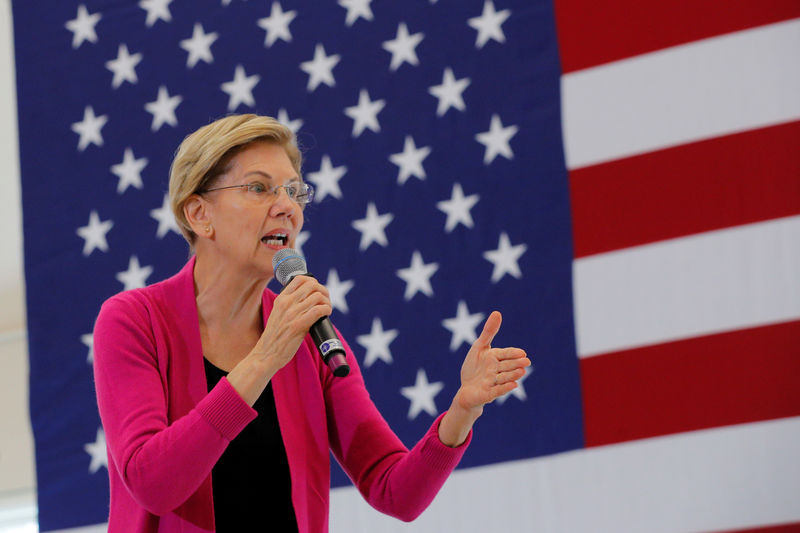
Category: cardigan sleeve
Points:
column 160, row 463
column 394, row 480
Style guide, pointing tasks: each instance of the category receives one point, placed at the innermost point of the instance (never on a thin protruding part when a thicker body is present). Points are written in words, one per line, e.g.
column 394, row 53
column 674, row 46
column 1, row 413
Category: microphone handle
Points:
column 330, row 347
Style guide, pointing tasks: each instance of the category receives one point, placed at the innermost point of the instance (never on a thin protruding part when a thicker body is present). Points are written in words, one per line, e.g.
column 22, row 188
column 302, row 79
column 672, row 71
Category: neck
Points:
column 225, row 297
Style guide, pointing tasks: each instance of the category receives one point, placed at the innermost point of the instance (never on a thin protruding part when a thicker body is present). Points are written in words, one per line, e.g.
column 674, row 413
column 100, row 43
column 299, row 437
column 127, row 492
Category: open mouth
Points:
column 275, row 239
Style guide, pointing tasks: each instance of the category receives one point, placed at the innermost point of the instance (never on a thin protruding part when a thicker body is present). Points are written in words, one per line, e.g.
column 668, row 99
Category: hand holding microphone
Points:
column 287, row 264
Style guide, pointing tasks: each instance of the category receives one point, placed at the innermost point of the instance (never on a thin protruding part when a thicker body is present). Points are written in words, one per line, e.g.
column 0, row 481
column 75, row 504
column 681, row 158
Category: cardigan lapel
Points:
column 286, row 387
column 188, row 325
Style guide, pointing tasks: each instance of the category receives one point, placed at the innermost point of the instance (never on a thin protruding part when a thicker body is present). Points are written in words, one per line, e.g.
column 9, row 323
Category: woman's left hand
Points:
column 487, row 374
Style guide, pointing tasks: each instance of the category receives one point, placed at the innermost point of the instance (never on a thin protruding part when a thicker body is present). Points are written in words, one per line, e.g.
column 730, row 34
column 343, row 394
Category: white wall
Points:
column 17, row 477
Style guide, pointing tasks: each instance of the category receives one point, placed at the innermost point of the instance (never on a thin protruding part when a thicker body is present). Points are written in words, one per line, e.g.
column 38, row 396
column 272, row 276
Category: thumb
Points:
column 490, row 328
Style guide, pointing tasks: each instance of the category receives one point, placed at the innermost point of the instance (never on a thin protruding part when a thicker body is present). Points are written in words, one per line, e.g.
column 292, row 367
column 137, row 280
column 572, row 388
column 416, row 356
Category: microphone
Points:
column 288, row 263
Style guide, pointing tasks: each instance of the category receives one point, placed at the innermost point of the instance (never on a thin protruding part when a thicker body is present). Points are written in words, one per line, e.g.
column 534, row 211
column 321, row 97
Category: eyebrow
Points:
column 268, row 176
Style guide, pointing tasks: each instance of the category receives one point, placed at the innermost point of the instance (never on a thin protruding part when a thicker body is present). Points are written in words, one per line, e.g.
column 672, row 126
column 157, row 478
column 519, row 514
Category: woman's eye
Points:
column 257, row 188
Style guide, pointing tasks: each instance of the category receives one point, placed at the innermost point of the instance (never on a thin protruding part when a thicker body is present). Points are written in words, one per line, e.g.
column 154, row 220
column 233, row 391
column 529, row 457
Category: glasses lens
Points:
column 306, row 194
column 293, row 190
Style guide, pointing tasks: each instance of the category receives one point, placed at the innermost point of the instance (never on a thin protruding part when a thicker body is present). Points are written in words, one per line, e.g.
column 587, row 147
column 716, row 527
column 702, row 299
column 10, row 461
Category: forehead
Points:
column 262, row 158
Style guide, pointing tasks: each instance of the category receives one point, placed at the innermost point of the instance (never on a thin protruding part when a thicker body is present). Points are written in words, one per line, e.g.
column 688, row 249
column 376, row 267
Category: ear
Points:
column 197, row 212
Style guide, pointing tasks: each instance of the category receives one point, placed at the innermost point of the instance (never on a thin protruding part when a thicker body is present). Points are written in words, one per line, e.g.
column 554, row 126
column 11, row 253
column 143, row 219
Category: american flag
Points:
column 621, row 181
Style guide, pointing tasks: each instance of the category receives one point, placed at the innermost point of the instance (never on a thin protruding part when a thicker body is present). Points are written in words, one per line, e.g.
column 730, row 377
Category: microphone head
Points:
column 288, row 263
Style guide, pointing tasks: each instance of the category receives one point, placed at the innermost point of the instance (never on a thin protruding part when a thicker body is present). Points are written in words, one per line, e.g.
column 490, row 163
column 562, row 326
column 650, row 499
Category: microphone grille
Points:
column 288, row 263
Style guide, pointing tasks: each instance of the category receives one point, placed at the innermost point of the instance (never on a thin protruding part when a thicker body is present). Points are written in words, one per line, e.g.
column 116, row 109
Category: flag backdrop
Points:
column 621, row 181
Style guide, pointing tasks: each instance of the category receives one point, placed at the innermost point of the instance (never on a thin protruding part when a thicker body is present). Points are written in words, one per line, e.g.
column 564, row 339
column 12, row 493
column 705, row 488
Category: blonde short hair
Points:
column 204, row 155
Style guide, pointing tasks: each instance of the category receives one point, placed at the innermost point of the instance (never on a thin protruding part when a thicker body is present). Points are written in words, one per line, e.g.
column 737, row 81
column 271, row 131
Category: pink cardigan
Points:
column 165, row 431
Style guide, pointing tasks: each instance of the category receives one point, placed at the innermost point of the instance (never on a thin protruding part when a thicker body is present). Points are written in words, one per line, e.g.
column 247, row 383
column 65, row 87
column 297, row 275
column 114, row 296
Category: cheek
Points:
column 240, row 222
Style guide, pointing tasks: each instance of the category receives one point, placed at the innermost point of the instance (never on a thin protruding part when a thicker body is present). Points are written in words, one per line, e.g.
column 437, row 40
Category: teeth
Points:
column 277, row 238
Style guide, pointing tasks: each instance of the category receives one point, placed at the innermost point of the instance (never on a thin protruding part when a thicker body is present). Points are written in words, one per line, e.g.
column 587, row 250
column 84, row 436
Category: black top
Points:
column 251, row 483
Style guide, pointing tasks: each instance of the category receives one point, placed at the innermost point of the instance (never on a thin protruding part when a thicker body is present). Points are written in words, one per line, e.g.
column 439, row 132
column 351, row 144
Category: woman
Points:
column 181, row 364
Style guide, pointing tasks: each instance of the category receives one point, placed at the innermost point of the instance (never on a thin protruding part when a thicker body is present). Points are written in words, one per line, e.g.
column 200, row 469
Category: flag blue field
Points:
column 431, row 133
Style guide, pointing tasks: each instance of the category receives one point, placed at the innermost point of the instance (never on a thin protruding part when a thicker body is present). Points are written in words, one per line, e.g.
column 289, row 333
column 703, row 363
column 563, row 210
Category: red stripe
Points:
column 708, row 185
column 592, row 33
column 781, row 528
column 731, row 378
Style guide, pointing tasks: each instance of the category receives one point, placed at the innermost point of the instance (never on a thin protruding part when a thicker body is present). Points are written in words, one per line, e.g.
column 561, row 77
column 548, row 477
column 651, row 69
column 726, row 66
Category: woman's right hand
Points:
column 301, row 303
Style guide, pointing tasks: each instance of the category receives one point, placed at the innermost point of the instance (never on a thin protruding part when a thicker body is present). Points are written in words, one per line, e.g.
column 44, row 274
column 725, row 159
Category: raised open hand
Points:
column 488, row 373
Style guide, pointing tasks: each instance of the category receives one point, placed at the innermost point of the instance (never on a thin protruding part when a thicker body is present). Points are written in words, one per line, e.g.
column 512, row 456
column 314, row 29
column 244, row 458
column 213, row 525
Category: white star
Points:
column 421, row 395
column 94, row 234
column 449, row 92
column 294, row 125
column 505, row 258
column 496, row 140
column 320, row 69
column 355, row 9
column 129, row 171
column 136, row 276
column 156, row 10
column 277, row 25
column 240, row 90
column 418, row 276
column 301, row 239
column 372, row 227
column 519, row 391
column 488, row 24
column 462, row 326
column 82, row 26
column 458, row 208
column 89, row 128
column 199, row 46
column 377, row 343
column 338, row 290
column 365, row 113
column 165, row 218
column 163, row 109
column 123, row 66
column 326, row 179
column 410, row 160
column 88, row 340
column 97, row 451
column 403, row 47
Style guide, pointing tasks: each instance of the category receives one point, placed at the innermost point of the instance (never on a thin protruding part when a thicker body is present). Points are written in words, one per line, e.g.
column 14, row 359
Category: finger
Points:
column 513, row 364
column 324, row 290
column 503, row 389
column 490, row 329
column 508, row 353
column 312, row 303
column 309, row 280
column 503, row 378
column 314, row 313
column 313, row 293
column 294, row 284
column 315, row 286
column 304, row 287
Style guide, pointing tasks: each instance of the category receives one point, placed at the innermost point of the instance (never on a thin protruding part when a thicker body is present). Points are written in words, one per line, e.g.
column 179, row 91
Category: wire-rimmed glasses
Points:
column 299, row 192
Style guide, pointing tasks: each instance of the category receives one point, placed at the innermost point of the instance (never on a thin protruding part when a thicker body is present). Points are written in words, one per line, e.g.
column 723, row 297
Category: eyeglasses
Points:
column 297, row 191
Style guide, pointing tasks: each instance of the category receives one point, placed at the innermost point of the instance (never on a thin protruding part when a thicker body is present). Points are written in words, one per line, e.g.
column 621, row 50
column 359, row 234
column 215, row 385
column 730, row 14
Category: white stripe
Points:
column 717, row 86
column 739, row 277
column 720, row 479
